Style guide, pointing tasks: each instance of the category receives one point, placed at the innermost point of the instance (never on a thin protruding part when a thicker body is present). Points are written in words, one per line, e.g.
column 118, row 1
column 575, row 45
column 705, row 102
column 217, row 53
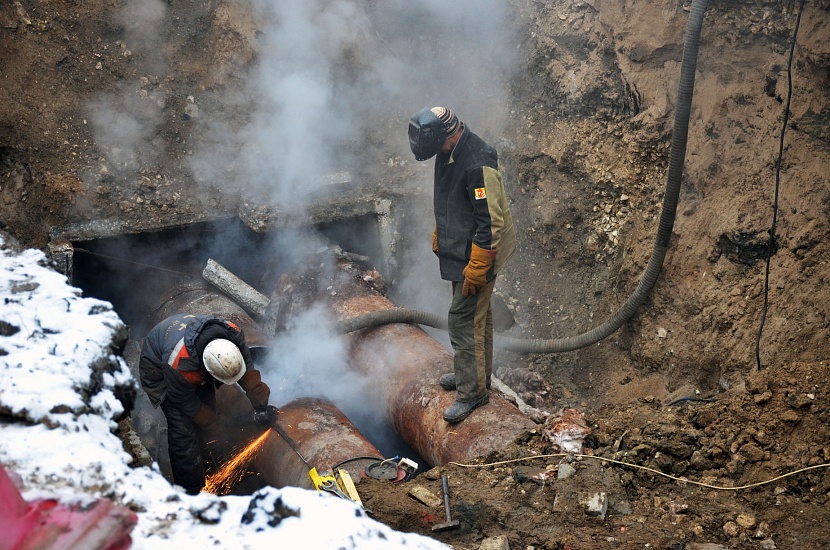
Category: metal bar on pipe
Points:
column 194, row 296
column 239, row 290
column 319, row 435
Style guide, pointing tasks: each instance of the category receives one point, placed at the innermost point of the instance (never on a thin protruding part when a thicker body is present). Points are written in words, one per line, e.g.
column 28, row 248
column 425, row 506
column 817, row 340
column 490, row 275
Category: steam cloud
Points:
column 310, row 361
column 333, row 76
column 307, row 361
column 125, row 129
column 330, row 79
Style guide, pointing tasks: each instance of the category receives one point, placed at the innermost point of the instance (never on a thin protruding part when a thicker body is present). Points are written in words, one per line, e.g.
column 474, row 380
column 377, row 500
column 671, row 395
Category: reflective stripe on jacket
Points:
column 171, row 358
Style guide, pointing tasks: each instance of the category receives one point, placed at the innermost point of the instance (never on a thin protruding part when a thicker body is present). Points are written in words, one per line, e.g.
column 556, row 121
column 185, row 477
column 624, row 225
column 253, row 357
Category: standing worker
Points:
column 183, row 360
column 473, row 238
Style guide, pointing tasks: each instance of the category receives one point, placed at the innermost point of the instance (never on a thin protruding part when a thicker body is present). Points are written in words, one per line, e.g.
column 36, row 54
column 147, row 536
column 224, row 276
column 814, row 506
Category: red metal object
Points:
column 567, row 431
column 51, row 524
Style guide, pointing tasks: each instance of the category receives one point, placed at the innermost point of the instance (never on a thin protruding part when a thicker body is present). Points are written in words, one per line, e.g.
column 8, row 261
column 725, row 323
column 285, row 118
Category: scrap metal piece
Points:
column 247, row 296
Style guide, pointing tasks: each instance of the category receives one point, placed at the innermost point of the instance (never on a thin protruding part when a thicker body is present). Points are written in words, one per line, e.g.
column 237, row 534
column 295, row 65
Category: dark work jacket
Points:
column 471, row 207
column 171, row 365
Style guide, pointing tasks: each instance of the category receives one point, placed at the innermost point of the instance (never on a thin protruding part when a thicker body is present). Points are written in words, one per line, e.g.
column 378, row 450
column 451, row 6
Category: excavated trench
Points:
column 150, row 274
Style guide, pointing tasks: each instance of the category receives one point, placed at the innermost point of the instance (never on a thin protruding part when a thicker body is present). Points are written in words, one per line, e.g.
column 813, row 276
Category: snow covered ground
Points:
column 62, row 374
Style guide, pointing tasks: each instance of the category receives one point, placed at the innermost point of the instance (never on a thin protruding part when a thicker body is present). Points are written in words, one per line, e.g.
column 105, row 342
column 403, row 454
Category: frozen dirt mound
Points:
column 61, row 352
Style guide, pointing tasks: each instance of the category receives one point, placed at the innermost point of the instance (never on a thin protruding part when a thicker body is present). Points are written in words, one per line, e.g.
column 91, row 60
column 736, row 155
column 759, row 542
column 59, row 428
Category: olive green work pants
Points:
column 470, row 324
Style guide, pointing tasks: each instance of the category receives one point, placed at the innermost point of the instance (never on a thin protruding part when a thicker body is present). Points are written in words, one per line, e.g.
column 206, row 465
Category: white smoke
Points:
column 124, row 131
column 326, row 80
column 310, row 360
column 125, row 122
column 332, row 77
column 329, row 80
column 141, row 20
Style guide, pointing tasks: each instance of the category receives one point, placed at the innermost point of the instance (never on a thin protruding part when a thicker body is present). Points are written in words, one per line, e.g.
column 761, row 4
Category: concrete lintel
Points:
column 264, row 218
column 99, row 229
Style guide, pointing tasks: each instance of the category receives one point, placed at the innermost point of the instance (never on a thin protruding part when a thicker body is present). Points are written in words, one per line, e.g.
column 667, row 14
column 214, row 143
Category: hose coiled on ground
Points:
column 661, row 242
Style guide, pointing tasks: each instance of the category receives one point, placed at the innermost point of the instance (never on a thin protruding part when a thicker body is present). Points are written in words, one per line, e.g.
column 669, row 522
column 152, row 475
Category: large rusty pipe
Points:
column 314, row 432
column 408, row 362
column 317, row 431
column 405, row 363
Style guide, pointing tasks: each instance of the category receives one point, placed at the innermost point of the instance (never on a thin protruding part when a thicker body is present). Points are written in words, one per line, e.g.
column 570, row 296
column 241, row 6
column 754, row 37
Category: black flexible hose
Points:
column 771, row 245
column 661, row 242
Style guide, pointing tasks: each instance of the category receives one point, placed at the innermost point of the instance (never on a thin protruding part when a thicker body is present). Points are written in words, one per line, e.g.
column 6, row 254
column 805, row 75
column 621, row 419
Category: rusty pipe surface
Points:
column 410, row 362
column 405, row 364
column 318, row 434
column 310, row 432
column 198, row 298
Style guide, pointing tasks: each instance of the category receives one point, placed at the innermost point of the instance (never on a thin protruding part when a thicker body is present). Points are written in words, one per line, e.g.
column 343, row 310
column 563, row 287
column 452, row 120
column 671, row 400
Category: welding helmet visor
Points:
column 426, row 134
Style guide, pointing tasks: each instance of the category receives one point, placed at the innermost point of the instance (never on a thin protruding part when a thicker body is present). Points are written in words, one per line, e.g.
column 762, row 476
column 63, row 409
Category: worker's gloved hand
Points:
column 259, row 394
column 475, row 274
column 257, row 391
column 261, row 417
column 435, row 240
column 265, row 416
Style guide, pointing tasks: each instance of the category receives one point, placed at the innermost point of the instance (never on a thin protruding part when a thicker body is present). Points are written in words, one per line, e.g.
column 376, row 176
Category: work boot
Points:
column 460, row 410
column 447, row 381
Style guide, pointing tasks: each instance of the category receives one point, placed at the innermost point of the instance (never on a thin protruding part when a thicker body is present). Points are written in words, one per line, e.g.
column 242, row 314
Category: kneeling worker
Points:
column 183, row 360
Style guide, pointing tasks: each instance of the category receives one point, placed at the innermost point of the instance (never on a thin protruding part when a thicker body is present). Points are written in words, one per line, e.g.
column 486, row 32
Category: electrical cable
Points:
column 652, row 470
column 777, row 186
column 354, row 458
column 126, row 261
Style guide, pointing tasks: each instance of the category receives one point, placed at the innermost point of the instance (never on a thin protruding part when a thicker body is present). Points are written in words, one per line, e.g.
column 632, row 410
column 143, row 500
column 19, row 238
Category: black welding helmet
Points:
column 426, row 134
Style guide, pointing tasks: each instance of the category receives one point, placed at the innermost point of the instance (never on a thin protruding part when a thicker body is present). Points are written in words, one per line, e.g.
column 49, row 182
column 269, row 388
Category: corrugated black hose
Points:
column 661, row 242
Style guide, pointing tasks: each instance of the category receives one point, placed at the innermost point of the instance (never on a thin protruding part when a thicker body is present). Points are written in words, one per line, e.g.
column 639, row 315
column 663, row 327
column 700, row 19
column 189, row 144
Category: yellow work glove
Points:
column 257, row 391
column 475, row 274
column 435, row 241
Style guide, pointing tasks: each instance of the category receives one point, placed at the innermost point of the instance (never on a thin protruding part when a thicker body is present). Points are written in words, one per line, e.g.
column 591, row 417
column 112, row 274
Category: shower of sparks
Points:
column 229, row 475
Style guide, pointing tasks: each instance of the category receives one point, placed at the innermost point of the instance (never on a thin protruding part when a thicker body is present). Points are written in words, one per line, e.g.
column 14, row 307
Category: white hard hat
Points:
column 224, row 361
